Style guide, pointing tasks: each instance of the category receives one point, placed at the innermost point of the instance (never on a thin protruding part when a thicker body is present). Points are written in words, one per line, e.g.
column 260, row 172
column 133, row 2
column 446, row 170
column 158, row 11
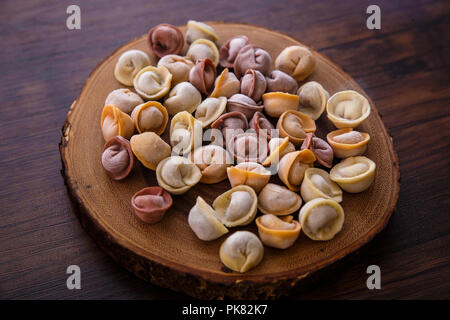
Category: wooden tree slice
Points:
column 168, row 253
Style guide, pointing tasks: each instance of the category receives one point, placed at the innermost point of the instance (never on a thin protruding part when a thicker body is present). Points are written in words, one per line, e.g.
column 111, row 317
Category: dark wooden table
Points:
column 404, row 67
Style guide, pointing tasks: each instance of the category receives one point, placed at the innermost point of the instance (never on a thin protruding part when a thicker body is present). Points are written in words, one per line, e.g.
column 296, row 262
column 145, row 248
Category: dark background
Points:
column 404, row 68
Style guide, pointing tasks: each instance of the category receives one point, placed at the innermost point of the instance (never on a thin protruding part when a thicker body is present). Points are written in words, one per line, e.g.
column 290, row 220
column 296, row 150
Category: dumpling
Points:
column 228, row 125
column 321, row 149
column 251, row 174
column 151, row 203
column 117, row 158
column 278, row 232
column 165, row 39
column 213, row 161
column 177, row 174
column 317, row 183
column 278, row 200
column 203, row 48
column 347, row 142
column 276, row 103
column 295, row 125
column 313, row 99
column 250, row 57
column 242, row 103
column 129, row 64
column 321, row 219
column 150, row 116
column 347, row 109
column 278, row 147
column 229, row 51
column 226, row 85
column 253, row 84
column 149, row 148
column 354, row 174
column 241, row 251
column 185, row 133
column 116, row 123
column 296, row 61
column 183, row 97
column 152, row 83
column 178, row 66
column 124, row 99
column 237, row 206
column 199, row 30
column 261, row 125
column 210, row 109
column 203, row 75
column 203, row 221
column 292, row 167
column 248, row 147
column 278, row 81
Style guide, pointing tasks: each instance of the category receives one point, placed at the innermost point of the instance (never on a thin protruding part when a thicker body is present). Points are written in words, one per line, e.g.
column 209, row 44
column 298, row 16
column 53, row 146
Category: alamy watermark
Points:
column 374, row 20
column 374, row 280
column 74, row 280
column 73, row 21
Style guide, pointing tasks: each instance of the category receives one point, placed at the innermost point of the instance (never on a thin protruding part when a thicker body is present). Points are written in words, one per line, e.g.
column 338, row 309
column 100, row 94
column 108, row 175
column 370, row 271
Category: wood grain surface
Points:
column 403, row 67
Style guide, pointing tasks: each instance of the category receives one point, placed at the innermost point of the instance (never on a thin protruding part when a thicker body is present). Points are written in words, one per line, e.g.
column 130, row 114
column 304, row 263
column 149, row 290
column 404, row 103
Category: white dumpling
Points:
column 241, row 251
column 203, row 221
column 129, row 64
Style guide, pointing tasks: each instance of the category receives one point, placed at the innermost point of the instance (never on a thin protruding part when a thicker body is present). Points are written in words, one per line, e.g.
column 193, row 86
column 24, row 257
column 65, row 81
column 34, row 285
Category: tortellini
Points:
column 150, row 116
column 183, row 97
column 261, row 125
column 178, row 66
column 177, row 174
column 124, row 99
column 354, row 174
column 321, row 149
column 321, row 219
column 203, row 48
column 115, row 123
column 347, row 142
column 249, row 147
column 129, row 64
column 151, row 203
column 229, row 51
column 149, row 148
column 213, row 161
column 295, row 125
column 276, row 103
column 318, row 184
column 251, row 174
column 203, row 221
column 250, row 57
column 296, row 61
column 278, row 232
column 165, row 39
column 117, row 158
column 199, row 30
column 278, row 200
column 226, row 85
column 292, row 167
column 210, row 109
column 185, row 133
column 278, row 147
column 229, row 124
column 253, row 84
column 203, row 75
column 241, row 251
column 237, row 206
column 152, row 83
column 242, row 103
column 313, row 99
column 347, row 109
column 279, row 81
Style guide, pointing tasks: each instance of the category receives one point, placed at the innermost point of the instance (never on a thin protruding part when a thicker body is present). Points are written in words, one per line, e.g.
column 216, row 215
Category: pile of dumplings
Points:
column 262, row 124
